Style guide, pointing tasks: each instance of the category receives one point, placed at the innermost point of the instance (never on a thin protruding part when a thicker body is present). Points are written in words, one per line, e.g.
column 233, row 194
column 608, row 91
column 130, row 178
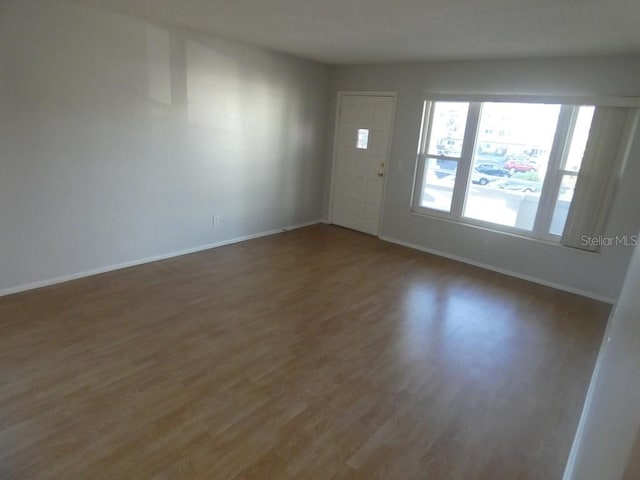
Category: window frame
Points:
column 549, row 191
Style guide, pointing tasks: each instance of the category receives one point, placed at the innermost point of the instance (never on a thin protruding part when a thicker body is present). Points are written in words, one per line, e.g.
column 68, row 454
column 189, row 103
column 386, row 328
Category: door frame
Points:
column 334, row 154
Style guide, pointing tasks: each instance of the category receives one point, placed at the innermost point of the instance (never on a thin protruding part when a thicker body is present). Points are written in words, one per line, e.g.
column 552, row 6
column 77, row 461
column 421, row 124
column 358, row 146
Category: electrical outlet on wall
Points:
column 216, row 220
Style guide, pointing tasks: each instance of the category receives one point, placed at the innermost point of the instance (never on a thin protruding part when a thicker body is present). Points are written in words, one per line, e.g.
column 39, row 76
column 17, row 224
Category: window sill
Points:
column 485, row 228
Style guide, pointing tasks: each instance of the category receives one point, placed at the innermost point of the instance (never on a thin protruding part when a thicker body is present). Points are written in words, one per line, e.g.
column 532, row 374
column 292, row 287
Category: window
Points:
column 496, row 196
column 447, row 125
column 508, row 166
column 362, row 142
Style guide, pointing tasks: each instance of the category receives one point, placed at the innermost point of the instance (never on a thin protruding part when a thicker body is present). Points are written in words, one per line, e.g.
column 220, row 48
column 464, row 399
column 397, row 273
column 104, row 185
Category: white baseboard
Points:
column 511, row 273
column 155, row 258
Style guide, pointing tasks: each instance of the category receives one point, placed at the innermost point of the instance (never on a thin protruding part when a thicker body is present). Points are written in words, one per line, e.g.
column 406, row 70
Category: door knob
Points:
column 381, row 174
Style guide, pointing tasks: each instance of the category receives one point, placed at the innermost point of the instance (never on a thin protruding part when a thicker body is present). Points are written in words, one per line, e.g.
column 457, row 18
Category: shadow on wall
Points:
column 262, row 127
column 126, row 138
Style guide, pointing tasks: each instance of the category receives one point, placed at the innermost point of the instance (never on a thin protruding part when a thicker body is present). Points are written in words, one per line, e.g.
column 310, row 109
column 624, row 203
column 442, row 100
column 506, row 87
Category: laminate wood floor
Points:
column 319, row 353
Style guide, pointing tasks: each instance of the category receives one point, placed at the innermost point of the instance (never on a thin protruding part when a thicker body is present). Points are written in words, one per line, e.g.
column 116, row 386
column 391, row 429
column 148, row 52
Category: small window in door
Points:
column 363, row 139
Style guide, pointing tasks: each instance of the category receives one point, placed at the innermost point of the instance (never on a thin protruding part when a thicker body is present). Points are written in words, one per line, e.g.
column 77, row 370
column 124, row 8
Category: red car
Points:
column 519, row 164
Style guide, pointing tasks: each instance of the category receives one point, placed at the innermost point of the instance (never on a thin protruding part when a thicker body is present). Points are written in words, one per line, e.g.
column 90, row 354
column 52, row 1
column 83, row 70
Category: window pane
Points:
column 510, row 162
column 437, row 187
column 510, row 207
column 565, row 195
column 362, row 141
column 579, row 139
column 447, row 128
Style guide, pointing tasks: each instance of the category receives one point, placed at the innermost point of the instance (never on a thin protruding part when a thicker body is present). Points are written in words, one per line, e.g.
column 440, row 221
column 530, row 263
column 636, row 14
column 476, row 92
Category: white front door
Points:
column 361, row 158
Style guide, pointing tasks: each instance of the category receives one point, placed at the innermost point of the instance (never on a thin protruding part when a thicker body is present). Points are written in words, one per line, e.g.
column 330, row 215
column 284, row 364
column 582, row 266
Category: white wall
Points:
column 611, row 418
column 597, row 275
column 119, row 140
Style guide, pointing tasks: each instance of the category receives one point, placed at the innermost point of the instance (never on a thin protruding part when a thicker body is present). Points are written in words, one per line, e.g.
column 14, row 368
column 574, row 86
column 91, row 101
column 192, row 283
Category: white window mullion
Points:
column 464, row 165
column 419, row 181
column 427, row 122
column 425, row 128
column 548, row 235
column 553, row 177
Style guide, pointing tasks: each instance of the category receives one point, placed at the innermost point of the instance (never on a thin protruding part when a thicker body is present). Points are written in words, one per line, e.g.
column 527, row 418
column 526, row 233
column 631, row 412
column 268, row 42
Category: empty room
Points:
column 277, row 239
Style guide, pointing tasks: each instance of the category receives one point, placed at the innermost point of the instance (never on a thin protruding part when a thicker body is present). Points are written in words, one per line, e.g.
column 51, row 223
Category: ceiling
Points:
column 365, row 31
